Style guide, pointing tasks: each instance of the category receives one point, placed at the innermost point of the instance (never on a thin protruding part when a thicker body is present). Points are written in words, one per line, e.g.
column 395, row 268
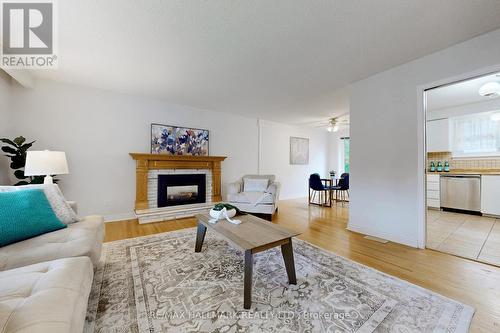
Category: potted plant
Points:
column 16, row 150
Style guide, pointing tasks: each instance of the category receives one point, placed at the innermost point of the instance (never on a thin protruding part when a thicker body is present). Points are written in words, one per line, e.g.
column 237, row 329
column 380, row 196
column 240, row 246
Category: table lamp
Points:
column 46, row 163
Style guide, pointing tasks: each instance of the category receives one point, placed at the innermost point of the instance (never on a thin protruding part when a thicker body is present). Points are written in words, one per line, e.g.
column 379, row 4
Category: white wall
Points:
column 97, row 130
column 387, row 146
column 5, row 122
column 275, row 156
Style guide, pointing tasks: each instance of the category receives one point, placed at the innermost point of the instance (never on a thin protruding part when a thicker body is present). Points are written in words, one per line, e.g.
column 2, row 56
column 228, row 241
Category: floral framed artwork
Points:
column 173, row 140
column 299, row 150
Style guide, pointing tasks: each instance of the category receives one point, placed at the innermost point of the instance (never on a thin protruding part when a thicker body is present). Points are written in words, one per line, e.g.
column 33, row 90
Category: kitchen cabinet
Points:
column 433, row 191
column 438, row 133
column 490, row 195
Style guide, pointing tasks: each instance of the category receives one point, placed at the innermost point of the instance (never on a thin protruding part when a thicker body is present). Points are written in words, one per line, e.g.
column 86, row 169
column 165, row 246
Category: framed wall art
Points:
column 173, row 140
column 299, row 150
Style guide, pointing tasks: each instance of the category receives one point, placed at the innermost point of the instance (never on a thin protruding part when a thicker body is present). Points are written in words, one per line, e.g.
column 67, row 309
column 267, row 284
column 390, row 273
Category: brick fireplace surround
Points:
column 148, row 165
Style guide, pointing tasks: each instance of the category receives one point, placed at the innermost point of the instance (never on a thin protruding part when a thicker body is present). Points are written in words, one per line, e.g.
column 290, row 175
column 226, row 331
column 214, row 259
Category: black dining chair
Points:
column 343, row 188
column 321, row 186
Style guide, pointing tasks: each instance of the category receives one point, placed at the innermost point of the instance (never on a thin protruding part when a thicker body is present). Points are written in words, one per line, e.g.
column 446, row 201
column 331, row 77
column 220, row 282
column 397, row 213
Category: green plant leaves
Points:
column 17, row 149
column 19, row 140
column 18, row 162
column 37, row 180
column 20, row 174
column 26, row 146
column 7, row 141
column 9, row 150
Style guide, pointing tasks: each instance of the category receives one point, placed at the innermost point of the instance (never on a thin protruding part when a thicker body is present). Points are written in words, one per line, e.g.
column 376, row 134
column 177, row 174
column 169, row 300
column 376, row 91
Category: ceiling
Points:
column 461, row 93
column 284, row 60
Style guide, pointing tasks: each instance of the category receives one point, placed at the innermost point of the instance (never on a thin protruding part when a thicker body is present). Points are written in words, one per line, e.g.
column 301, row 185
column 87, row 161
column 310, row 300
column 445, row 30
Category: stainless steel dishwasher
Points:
column 461, row 192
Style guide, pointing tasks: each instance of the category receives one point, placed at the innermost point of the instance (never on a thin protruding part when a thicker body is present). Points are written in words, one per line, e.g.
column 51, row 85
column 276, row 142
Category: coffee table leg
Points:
column 200, row 237
column 287, row 252
column 247, row 287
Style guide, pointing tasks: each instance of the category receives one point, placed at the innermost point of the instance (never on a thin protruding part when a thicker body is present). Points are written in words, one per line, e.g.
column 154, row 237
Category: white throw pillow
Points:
column 56, row 199
column 255, row 184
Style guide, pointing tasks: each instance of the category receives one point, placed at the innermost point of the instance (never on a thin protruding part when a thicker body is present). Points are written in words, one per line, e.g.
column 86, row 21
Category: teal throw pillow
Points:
column 25, row 214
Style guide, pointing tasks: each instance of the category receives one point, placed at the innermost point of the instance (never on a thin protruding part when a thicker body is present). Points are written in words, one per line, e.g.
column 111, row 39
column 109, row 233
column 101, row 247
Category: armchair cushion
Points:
column 251, row 198
column 255, row 184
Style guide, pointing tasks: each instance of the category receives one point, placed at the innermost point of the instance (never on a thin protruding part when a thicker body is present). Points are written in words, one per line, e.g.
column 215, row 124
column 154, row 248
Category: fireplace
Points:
column 152, row 186
column 181, row 189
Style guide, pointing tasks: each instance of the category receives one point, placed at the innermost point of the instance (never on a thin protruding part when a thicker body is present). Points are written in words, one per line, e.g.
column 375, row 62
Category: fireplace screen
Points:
column 186, row 192
column 174, row 190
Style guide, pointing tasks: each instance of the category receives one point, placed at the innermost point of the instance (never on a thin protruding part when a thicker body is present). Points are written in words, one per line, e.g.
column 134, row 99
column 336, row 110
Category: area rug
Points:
column 159, row 284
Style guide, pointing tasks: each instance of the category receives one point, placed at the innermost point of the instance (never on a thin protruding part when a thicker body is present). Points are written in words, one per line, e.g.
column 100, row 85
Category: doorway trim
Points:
column 422, row 145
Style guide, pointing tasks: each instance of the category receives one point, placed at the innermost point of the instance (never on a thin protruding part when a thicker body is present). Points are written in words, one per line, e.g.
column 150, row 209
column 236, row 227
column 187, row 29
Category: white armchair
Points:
column 255, row 194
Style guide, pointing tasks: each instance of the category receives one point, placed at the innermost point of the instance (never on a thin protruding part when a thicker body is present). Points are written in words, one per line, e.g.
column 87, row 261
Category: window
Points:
column 347, row 148
column 475, row 135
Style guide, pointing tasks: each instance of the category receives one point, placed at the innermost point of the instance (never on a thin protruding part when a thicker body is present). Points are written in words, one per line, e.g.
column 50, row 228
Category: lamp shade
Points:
column 43, row 163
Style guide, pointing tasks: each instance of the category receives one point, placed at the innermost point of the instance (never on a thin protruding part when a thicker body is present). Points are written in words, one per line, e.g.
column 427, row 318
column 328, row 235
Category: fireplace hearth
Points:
column 181, row 189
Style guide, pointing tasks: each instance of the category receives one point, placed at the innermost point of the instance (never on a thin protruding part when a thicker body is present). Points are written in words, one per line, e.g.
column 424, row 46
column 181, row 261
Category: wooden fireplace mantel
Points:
column 146, row 162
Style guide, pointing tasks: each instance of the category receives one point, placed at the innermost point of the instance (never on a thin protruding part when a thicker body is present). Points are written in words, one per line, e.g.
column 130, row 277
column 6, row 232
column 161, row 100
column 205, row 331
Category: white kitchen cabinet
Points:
column 433, row 191
column 490, row 195
column 438, row 135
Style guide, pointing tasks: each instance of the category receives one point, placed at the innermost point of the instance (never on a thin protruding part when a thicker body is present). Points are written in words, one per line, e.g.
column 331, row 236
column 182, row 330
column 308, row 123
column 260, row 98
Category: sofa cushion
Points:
column 59, row 205
column 25, row 214
column 251, row 198
column 83, row 238
column 46, row 297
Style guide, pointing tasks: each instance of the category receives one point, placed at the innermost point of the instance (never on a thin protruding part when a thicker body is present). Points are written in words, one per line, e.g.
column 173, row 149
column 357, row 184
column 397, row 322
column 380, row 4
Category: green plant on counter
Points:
column 16, row 150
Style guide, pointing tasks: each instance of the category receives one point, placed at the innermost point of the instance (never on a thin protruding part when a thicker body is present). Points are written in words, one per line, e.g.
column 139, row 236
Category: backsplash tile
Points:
column 489, row 163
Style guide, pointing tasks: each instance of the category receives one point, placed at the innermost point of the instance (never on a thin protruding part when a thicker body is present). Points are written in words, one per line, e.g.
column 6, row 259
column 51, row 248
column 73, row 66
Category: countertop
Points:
column 467, row 172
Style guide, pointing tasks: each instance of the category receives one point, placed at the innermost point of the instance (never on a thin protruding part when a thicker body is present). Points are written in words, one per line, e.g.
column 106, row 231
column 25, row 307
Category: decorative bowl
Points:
column 222, row 214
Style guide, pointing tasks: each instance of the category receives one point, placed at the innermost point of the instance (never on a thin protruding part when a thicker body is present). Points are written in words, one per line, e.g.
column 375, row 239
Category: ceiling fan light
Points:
column 490, row 89
column 330, row 128
column 335, row 128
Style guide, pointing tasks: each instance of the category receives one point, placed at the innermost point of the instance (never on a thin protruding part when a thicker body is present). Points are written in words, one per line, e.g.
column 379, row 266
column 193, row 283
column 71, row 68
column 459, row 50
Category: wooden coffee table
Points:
column 253, row 235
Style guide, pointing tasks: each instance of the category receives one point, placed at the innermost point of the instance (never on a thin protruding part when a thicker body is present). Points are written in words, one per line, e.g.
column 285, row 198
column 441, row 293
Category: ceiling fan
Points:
column 334, row 124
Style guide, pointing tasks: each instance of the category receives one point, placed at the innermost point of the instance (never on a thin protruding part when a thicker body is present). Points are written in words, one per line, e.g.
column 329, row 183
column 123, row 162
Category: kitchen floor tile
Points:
column 490, row 252
column 468, row 236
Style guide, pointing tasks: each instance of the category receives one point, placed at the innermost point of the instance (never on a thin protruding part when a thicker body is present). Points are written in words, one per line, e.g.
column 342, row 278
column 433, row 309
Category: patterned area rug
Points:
column 159, row 284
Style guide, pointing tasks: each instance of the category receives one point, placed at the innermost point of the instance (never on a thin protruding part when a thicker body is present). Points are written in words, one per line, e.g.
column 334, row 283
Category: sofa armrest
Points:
column 274, row 189
column 73, row 206
column 235, row 187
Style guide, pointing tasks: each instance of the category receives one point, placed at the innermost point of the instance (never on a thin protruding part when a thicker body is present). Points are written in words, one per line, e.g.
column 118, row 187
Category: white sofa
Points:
column 45, row 281
column 48, row 297
column 82, row 238
column 263, row 202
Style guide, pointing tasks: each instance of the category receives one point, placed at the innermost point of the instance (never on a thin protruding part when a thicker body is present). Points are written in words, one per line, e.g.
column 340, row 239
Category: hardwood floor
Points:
column 466, row 281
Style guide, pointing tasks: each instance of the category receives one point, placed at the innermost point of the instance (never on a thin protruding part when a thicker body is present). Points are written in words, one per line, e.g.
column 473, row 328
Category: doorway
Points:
column 463, row 168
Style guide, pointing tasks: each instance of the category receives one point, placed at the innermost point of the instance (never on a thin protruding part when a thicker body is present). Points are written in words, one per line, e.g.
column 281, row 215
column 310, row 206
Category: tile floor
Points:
column 468, row 236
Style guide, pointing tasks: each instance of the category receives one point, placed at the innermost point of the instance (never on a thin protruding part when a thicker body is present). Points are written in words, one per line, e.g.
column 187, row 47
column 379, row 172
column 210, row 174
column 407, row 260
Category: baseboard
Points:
column 119, row 217
column 401, row 239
